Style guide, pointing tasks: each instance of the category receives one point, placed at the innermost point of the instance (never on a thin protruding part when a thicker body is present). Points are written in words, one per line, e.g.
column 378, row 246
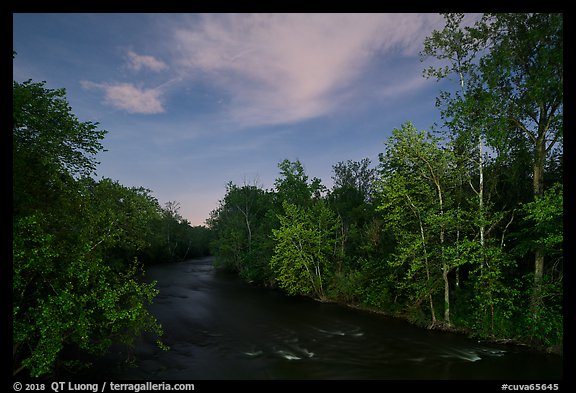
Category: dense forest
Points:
column 460, row 227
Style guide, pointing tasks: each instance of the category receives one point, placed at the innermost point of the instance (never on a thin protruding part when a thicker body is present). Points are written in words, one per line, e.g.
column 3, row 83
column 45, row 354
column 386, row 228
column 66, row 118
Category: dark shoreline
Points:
column 555, row 350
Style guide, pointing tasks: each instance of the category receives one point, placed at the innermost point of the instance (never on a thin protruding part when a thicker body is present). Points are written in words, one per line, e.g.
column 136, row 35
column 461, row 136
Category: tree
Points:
column 50, row 147
column 543, row 229
column 416, row 169
column 66, row 296
column 351, row 199
column 242, row 225
column 171, row 220
column 455, row 45
column 293, row 186
column 351, row 195
column 403, row 202
column 44, row 126
column 523, row 76
column 514, row 90
column 120, row 219
column 305, row 248
column 70, row 300
column 228, row 227
column 356, row 175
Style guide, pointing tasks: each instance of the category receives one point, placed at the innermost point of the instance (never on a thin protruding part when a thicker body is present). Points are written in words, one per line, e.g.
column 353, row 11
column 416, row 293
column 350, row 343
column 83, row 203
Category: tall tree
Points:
column 404, row 202
column 522, row 76
column 294, row 186
column 513, row 68
column 419, row 158
column 50, row 147
column 120, row 219
column 171, row 220
column 454, row 45
column 305, row 248
column 242, row 226
column 351, row 199
column 356, row 175
column 65, row 294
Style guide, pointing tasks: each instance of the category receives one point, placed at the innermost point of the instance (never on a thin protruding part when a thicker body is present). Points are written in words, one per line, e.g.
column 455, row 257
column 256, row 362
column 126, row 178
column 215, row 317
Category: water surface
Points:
column 219, row 327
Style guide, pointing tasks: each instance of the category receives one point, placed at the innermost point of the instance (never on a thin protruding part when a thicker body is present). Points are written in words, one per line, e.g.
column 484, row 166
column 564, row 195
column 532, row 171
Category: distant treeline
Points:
column 460, row 229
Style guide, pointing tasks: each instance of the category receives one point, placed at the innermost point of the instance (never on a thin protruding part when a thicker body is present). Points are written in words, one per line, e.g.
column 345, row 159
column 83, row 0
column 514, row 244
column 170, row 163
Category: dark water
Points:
column 221, row 328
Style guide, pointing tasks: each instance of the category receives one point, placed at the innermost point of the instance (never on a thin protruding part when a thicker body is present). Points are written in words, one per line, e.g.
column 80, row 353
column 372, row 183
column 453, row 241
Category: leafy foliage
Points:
column 305, row 249
column 65, row 299
column 241, row 226
column 46, row 130
column 77, row 283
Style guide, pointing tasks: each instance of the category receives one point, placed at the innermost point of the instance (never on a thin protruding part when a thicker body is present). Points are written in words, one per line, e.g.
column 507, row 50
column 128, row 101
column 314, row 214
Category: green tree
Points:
column 50, row 147
column 228, row 227
column 404, row 202
column 356, row 175
column 523, row 76
column 543, row 229
column 510, row 68
column 66, row 296
column 242, row 227
column 69, row 299
column 351, row 200
column 417, row 169
column 306, row 246
column 201, row 237
column 120, row 219
column 293, row 185
column 46, row 130
column 171, row 220
column 173, row 238
column 454, row 45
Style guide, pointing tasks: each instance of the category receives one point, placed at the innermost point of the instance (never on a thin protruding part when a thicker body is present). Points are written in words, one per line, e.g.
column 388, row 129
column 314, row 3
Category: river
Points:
column 219, row 327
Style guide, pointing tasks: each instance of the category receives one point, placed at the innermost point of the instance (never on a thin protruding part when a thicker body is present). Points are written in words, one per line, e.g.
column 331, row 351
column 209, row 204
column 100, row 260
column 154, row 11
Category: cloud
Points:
column 128, row 97
column 405, row 86
column 284, row 68
column 137, row 62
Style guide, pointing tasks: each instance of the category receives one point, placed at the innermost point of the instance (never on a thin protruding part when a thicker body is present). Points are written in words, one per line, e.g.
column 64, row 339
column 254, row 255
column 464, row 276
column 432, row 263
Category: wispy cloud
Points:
column 138, row 62
column 282, row 68
column 128, row 97
column 403, row 86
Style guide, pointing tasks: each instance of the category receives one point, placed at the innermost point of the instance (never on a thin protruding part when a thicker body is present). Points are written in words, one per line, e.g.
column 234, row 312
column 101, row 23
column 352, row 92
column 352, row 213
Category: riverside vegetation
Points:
column 79, row 244
column 459, row 229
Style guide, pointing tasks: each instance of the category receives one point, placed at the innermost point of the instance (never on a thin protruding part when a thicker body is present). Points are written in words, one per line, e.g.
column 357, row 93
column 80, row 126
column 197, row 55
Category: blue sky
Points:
column 192, row 101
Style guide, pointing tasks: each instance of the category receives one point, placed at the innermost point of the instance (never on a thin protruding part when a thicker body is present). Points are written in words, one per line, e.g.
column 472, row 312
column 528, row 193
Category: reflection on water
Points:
column 221, row 328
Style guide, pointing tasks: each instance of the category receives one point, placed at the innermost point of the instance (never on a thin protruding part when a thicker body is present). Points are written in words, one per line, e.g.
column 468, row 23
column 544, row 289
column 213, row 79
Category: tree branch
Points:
column 530, row 134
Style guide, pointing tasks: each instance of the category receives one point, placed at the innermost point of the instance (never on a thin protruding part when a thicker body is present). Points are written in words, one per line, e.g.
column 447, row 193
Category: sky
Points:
column 194, row 101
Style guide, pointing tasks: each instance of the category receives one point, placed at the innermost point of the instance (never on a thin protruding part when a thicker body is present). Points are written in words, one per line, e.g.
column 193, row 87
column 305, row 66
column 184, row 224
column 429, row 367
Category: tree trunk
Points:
column 446, row 294
column 445, row 268
column 415, row 210
column 538, row 174
column 245, row 214
column 432, row 311
column 481, row 202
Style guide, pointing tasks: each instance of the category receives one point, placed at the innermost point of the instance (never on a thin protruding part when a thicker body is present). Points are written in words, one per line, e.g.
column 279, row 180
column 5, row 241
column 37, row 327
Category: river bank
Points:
column 438, row 325
column 441, row 326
